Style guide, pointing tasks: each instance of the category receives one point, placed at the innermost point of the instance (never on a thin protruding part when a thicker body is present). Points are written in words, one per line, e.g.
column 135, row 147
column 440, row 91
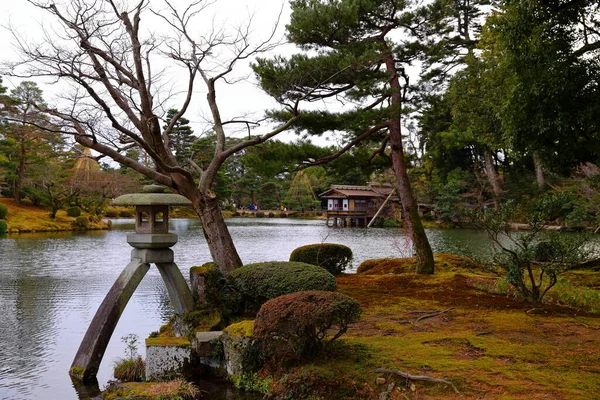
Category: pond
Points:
column 51, row 284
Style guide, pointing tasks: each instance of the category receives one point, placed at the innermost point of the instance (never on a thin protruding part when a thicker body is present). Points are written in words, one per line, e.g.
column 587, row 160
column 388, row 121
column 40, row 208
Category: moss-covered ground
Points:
column 28, row 218
column 451, row 326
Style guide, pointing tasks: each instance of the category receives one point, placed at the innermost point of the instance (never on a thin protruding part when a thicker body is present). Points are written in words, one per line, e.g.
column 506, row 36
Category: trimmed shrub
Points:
column 335, row 258
column 126, row 214
column 282, row 215
column 271, row 215
column 81, row 223
column 3, row 211
column 3, row 226
column 259, row 214
column 73, row 211
column 260, row 282
column 301, row 324
column 391, row 223
column 111, row 213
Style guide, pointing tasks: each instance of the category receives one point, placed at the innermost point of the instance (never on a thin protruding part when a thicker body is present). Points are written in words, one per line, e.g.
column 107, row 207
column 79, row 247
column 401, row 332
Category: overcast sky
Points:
column 245, row 97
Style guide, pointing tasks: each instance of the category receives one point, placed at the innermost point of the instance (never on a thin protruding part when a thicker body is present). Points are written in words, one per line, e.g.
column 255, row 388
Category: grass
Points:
column 130, row 370
column 171, row 390
column 27, row 218
column 451, row 326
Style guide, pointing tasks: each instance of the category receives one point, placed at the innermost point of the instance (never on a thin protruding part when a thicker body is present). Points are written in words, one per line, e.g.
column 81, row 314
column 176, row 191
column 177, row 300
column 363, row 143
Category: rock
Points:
column 380, row 381
column 242, row 354
column 208, row 348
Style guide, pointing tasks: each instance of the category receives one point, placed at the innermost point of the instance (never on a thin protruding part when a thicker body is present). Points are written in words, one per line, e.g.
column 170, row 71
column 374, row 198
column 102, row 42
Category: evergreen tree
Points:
column 29, row 138
column 300, row 196
column 357, row 58
column 181, row 137
column 551, row 50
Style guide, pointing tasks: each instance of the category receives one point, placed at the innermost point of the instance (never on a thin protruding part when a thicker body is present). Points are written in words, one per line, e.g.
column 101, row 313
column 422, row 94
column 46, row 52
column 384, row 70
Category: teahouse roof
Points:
column 373, row 189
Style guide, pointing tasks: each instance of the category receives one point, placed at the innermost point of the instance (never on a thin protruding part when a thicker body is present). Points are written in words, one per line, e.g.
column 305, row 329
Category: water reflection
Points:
column 52, row 283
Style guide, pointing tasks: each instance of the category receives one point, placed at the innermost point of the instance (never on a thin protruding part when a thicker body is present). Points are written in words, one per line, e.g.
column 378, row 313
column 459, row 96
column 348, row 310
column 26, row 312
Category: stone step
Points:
column 167, row 357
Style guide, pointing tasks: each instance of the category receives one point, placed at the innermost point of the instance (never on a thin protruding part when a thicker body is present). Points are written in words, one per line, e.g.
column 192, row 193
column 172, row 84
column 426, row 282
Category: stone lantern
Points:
column 151, row 244
column 151, row 216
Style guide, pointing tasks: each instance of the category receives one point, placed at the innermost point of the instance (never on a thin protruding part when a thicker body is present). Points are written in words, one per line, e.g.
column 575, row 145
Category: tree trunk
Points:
column 539, row 171
column 492, row 174
column 425, row 263
column 219, row 241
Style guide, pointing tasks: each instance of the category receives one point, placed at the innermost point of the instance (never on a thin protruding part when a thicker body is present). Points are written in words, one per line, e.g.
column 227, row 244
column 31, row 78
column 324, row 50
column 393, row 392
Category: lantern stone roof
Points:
column 154, row 195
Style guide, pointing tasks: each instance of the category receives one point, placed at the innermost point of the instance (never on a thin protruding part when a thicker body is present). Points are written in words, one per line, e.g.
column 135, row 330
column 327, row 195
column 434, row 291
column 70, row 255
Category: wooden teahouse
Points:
column 350, row 205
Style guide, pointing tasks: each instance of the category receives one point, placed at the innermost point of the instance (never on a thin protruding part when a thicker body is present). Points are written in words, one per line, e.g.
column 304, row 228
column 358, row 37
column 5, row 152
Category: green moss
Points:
column 486, row 342
column 169, row 390
column 27, row 218
column 163, row 341
column 240, row 329
column 203, row 269
column 203, row 320
column 77, row 372
column 166, row 330
column 219, row 294
column 443, row 262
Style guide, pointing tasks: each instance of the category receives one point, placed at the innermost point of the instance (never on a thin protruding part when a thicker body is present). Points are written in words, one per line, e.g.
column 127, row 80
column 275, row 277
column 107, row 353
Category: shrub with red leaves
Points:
column 302, row 324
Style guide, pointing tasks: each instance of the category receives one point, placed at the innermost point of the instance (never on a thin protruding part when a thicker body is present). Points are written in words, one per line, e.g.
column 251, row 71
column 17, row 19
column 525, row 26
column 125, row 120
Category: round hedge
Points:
column 81, row 223
column 126, row 214
column 3, row 211
column 263, row 281
column 3, row 226
column 73, row 211
column 335, row 258
column 301, row 324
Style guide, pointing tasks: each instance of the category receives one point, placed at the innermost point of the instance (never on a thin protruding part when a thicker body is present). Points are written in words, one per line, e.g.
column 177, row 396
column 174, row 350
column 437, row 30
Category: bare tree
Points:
column 118, row 91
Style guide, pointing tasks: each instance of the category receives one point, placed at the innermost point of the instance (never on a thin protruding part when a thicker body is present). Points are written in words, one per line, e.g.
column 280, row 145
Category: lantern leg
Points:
column 177, row 287
column 87, row 360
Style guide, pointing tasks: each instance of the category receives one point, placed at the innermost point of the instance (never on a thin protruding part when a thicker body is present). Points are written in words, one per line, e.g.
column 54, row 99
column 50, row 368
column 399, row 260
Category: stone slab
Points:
column 153, row 256
column 166, row 362
column 203, row 343
column 151, row 240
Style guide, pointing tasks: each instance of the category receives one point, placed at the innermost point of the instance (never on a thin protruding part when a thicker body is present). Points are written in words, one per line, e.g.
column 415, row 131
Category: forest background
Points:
column 500, row 101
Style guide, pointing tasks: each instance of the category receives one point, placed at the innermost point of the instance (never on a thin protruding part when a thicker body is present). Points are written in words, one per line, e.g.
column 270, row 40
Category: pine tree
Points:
column 300, row 195
column 181, row 137
column 357, row 59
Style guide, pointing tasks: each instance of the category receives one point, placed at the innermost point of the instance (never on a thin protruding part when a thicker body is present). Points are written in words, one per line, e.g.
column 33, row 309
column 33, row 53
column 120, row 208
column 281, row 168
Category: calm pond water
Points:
column 51, row 284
